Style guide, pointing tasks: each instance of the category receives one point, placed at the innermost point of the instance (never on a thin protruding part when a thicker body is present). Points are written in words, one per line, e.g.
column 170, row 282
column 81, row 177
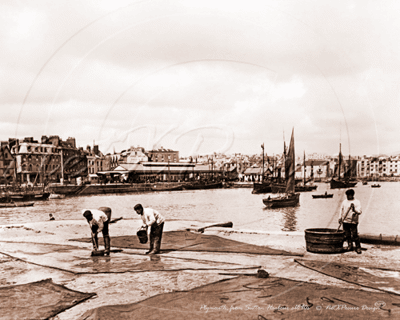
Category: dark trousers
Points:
column 351, row 234
column 107, row 212
column 105, row 231
column 155, row 237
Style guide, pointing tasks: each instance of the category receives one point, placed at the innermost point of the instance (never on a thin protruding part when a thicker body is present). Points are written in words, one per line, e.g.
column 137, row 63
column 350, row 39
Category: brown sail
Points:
column 290, row 198
column 290, row 158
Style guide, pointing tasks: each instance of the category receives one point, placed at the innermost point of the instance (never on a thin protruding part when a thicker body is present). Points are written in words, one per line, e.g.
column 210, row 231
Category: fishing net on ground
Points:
column 190, row 241
column 247, row 297
column 79, row 260
column 38, row 300
column 384, row 280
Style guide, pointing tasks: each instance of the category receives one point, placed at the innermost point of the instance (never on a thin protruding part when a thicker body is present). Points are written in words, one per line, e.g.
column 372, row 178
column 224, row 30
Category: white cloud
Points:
column 289, row 90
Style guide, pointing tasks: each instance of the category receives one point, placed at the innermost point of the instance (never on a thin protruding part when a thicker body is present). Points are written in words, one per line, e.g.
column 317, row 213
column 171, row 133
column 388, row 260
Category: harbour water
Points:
column 381, row 207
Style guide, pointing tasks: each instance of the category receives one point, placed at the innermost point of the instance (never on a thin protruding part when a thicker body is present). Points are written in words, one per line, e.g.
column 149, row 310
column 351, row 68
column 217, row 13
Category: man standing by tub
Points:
column 349, row 212
column 154, row 223
column 99, row 220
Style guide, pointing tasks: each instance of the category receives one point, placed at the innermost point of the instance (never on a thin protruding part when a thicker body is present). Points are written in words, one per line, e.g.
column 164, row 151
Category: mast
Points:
column 340, row 158
column 169, row 174
column 349, row 169
column 284, row 158
column 287, row 164
column 273, row 166
column 290, row 188
column 62, row 166
column 212, row 167
column 304, row 168
column 262, row 177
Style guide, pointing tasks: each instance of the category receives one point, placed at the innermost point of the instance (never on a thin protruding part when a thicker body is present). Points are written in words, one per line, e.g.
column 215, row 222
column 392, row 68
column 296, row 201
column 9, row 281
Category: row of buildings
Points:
column 53, row 160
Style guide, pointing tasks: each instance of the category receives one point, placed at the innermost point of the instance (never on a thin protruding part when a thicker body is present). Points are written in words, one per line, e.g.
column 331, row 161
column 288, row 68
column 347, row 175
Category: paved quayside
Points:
column 37, row 251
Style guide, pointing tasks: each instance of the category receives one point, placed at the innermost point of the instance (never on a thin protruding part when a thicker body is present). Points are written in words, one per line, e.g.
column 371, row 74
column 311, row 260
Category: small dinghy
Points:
column 322, row 196
column 15, row 205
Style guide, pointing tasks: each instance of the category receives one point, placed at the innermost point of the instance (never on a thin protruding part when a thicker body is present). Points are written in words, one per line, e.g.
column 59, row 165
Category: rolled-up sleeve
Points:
column 358, row 208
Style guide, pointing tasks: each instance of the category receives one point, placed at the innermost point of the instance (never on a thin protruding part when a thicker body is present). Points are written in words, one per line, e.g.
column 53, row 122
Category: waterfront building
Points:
column 131, row 167
column 131, row 155
column 112, row 160
column 314, row 169
column 151, row 172
column 35, row 162
column 163, row 155
column 364, row 167
column 393, row 166
column 7, row 164
column 96, row 162
column 73, row 160
column 51, row 160
column 253, row 174
column 375, row 167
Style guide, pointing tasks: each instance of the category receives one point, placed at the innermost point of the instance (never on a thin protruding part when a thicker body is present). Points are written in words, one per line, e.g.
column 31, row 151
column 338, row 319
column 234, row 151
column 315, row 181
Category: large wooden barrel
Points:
column 324, row 240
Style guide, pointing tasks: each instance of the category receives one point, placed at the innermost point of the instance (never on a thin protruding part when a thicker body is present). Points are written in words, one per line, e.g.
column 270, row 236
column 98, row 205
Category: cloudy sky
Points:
column 203, row 76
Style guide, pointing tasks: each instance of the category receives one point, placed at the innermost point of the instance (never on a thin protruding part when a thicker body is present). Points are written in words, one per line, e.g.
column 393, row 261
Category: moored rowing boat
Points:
column 15, row 205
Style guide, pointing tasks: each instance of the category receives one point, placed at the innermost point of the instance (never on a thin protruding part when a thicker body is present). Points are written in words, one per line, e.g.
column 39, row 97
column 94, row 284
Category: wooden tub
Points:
column 324, row 240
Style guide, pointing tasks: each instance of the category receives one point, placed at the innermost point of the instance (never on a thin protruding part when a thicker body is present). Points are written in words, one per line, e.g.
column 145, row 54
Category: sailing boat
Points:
column 337, row 184
column 265, row 185
column 279, row 186
column 289, row 198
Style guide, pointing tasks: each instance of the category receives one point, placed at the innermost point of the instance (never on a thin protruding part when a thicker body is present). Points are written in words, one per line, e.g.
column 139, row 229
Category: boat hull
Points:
column 91, row 189
column 337, row 184
column 56, row 196
column 305, row 188
column 282, row 188
column 16, row 205
column 282, row 202
column 197, row 186
column 166, row 187
column 278, row 188
column 322, row 196
column 261, row 187
column 24, row 196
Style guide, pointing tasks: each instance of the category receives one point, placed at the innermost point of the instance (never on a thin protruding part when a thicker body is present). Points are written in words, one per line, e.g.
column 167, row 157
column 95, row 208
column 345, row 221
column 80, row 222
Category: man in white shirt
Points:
column 154, row 222
column 348, row 215
column 99, row 220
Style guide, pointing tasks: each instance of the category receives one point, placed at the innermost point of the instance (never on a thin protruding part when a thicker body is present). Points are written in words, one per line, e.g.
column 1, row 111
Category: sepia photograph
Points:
column 187, row 159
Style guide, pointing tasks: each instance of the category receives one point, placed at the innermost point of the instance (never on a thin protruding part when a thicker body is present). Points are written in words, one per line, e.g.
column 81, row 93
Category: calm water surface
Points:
column 246, row 211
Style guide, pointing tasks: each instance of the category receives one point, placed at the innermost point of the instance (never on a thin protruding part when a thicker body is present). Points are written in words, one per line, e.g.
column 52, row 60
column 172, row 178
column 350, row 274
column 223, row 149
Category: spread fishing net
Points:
column 79, row 260
column 247, row 297
column 371, row 278
column 38, row 300
column 190, row 241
